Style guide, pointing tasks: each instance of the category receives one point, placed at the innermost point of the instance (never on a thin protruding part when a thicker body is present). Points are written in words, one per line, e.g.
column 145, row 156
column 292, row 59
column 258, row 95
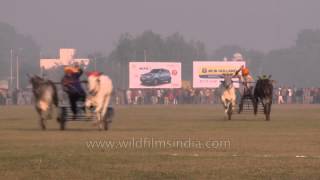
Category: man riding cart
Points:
column 72, row 86
column 246, row 85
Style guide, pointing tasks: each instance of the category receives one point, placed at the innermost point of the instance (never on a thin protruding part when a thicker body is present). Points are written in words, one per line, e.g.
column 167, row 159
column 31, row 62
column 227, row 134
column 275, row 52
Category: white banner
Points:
column 154, row 75
column 209, row 74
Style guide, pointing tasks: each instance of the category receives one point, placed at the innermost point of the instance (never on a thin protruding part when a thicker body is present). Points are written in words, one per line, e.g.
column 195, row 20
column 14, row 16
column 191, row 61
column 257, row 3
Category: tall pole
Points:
column 11, row 69
column 17, row 72
column 41, row 70
column 95, row 64
column 145, row 55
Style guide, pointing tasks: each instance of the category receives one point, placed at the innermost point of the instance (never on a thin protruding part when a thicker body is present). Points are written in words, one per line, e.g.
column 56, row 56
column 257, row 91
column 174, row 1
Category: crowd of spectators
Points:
column 166, row 96
column 282, row 95
column 288, row 95
column 18, row 97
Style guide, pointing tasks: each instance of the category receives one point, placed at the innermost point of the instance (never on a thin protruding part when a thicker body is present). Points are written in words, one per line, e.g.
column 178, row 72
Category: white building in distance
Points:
column 67, row 57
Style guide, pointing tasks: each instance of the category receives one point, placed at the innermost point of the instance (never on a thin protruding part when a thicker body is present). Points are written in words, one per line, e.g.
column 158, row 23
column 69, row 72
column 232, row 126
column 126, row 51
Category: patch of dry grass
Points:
column 258, row 149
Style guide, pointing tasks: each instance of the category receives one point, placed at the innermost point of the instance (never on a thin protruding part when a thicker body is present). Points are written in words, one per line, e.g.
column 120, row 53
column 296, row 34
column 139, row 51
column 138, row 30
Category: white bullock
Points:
column 100, row 89
column 228, row 96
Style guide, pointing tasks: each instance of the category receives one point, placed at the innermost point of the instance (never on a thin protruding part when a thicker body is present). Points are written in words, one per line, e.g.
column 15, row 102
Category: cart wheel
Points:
column 105, row 123
column 229, row 111
column 62, row 119
column 62, row 124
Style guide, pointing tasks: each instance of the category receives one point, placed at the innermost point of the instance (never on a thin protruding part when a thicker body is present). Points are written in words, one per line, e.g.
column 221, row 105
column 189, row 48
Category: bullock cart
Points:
column 84, row 114
column 67, row 116
column 260, row 99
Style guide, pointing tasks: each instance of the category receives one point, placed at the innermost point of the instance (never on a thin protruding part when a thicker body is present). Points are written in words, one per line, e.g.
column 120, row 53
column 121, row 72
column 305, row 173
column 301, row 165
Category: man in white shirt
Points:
column 128, row 96
column 289, row 98
column 280, row 97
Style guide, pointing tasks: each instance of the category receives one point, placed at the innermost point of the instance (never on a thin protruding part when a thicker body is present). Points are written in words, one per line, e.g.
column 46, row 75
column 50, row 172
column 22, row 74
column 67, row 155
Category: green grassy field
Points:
column 287, row 147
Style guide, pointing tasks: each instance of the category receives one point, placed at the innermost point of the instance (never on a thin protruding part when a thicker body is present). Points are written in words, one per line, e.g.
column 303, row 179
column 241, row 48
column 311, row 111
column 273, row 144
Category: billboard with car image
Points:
column 154, row 75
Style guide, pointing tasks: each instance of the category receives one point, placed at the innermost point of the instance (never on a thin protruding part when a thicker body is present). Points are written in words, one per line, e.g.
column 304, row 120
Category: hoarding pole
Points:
column 11, row 68
column 17, row 72
column 41, row 70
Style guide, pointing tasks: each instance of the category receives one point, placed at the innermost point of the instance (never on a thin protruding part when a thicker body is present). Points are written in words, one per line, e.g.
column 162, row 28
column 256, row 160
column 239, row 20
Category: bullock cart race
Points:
column 159, row 90
column 87, row 111
column 81, row 106
column 155, row 137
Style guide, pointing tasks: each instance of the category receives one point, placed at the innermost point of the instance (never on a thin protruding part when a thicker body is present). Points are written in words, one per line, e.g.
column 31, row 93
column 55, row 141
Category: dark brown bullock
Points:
column 263, row 93
column 45, row 96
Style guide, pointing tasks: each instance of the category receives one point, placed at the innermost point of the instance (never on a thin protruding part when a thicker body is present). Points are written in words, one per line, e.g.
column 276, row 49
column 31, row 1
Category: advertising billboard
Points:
column 209, row 74
column 154, row 75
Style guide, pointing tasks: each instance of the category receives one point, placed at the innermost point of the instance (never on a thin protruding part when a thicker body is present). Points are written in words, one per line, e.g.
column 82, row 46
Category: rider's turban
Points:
column 245, row 72
column 70, row 69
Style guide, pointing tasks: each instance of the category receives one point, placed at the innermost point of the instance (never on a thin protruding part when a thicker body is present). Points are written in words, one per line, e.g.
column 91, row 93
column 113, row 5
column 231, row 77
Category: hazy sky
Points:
column 95, row 25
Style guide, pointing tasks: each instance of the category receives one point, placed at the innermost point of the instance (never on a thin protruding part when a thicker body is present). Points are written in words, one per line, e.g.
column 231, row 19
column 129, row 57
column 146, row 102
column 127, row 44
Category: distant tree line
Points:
column 23, row 47
column 294, row 66
column 297, row 65
column 154, row 48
